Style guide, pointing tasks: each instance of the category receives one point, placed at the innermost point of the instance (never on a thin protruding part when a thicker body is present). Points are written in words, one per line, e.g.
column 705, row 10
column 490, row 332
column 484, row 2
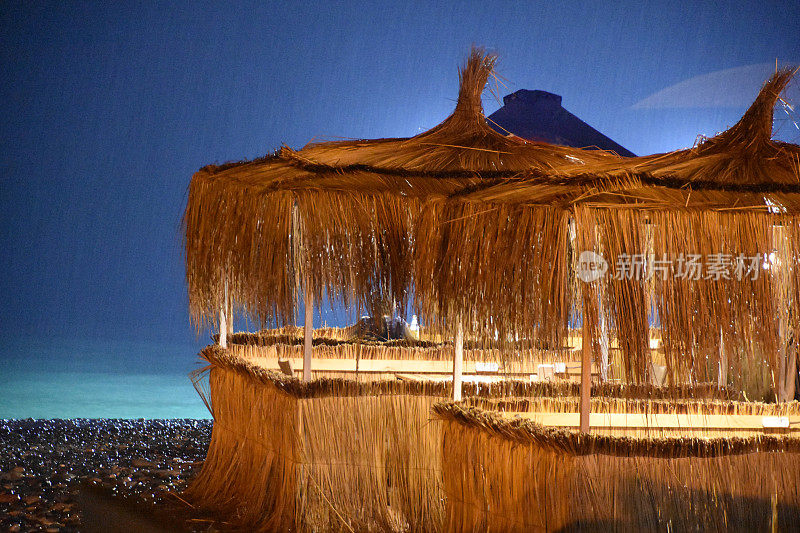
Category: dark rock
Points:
column 15, row 474
column 167, row 473
column 142, row 463
column 6, row 497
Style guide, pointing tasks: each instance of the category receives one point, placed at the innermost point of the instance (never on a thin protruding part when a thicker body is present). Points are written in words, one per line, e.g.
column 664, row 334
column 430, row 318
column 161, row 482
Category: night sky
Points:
column 109, row 108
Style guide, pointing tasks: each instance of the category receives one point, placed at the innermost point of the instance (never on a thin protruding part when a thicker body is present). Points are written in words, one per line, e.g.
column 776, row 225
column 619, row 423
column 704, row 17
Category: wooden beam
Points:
column 338, row 359
column 458, row 361
column 389, row 366
column 308, row 331
column 586, row 376
column 663, row 421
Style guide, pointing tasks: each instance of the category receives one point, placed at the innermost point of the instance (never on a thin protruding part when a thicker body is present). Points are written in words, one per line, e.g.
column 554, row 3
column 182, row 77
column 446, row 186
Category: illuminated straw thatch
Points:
column 515, row 475
column 332, row 452
column 329, row 453
column 473, row 226
column 481, row 233
column 332, row 456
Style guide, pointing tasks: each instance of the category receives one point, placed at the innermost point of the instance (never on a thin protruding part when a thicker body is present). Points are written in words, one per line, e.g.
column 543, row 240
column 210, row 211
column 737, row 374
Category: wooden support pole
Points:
column 458, row 362
column 229, row 311
column 604, row 364
column 223, row 328
column 791, row 375
column 723, row 362
column 308, row 331
column 586, row 375
column 223, row 320
column 783, row 371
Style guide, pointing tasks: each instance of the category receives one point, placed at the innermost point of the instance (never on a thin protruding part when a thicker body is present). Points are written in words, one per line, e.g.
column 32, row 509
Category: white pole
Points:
column 458, row 362
column 603, row 347
column 223, row 328
column 308, row 331
column 223, row 320
column 229, row 310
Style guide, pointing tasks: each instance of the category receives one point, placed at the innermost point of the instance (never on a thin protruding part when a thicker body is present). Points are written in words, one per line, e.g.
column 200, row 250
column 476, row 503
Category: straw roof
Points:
column 346, row 206
column 739, row 167
column 483, row 228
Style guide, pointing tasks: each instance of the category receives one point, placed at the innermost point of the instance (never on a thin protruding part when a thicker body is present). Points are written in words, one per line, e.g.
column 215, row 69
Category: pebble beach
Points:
column 45, row 464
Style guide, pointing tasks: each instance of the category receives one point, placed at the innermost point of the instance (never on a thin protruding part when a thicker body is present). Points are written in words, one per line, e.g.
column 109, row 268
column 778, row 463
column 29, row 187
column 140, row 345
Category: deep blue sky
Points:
column 109, row 108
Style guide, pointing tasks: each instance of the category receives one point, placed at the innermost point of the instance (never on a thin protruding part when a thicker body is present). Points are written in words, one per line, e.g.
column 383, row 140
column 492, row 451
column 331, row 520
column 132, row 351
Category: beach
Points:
column 48, row 465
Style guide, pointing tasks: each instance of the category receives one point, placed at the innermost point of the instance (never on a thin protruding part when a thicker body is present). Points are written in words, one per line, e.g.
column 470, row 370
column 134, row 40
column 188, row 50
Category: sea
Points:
column 69, row 378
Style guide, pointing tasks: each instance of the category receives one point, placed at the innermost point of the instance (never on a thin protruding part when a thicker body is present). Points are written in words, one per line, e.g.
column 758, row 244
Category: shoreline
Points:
column 45, row 463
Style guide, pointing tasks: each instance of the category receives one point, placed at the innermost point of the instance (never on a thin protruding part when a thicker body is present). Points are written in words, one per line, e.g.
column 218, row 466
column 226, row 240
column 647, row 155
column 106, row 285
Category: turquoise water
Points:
column 98, row 379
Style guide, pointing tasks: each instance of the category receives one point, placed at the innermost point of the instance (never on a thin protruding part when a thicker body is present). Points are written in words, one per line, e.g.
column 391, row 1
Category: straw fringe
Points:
column 324, row 462
column 502, row 475
column 367, row 456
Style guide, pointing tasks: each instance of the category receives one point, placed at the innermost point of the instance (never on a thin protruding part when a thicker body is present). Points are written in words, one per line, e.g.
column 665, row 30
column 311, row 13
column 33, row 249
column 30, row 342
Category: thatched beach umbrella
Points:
column 727, row 201
column 344, row 217
column 482, row 232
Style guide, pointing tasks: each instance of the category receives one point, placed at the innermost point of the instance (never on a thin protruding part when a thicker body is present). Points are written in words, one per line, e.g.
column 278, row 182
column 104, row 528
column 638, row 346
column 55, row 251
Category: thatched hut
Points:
column 485, row 236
